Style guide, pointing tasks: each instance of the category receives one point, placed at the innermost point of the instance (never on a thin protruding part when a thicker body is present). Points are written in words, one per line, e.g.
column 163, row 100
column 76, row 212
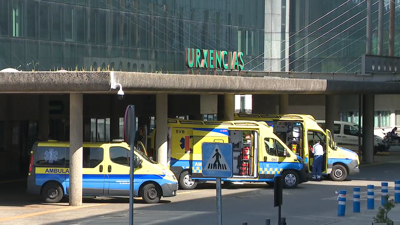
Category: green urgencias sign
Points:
column 214, row 59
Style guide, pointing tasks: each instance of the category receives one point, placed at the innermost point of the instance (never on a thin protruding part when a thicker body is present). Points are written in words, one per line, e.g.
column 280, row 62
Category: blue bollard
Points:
column 384, row 193
column 370, row 195
column 342, row 203
column 356, row 200
column 397, row 191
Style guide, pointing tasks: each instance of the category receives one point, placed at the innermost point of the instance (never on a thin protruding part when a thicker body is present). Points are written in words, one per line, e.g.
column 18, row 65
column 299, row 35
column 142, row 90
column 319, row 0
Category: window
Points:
column 336, row 128
column 57, row 22
column 51, row 156
column 314, row 137
column 210, row 117
column 17, row 19
column 44, row 21
column 4, row 18
column 92, row 157
column 382, row 118
column 350, row 130
column 121, row 126
column 69, row 24
column 100, row 130
column 274, row 148
column 31, row 20
column 352, row 117
column 119, row 155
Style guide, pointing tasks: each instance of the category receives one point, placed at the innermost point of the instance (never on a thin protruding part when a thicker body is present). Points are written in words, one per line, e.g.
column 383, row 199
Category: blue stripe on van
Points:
column 112, row 181
column 341, row 160
column 185, row 164
column 221, row 131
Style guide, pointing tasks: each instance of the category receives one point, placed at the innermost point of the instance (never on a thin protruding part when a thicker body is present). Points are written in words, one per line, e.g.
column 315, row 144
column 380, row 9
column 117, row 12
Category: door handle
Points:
column 109, row 168
column 339, row 136
column 344, row 137
column 101, row 168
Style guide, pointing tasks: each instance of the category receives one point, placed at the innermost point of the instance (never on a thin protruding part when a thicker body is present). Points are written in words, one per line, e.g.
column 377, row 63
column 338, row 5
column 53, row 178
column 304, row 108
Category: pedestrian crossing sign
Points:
column 217, row 160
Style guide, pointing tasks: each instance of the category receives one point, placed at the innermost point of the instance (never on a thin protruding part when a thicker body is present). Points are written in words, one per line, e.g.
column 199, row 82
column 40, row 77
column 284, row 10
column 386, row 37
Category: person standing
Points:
column 318, row 151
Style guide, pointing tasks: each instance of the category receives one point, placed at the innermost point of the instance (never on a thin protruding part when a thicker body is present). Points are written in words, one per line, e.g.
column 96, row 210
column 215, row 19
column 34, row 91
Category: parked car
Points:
column 346, row 134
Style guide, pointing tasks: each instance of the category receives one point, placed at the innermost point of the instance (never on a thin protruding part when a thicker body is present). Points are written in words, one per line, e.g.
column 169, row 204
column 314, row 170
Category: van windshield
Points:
column 145, row 156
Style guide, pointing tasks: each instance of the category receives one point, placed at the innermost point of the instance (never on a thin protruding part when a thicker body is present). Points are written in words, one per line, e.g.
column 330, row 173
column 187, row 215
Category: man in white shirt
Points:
column 318, row 151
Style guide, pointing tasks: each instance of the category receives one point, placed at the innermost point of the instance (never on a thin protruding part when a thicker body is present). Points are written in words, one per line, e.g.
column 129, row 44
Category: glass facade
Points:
column 330, row 36
column 127, row 35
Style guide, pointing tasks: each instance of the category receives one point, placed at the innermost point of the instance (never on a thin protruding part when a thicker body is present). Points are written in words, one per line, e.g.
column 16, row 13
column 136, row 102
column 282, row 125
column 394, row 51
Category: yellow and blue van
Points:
column 106, row 172
column 300, row 132
column 258, row 154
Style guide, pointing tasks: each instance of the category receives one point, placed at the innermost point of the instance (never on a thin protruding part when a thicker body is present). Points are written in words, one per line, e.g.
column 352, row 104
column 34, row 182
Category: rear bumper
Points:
column 170, row 189
column 303, row 173
column 32, row 188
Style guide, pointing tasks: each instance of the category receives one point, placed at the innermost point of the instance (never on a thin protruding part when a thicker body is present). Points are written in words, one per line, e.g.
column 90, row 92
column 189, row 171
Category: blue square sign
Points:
column 217, row 160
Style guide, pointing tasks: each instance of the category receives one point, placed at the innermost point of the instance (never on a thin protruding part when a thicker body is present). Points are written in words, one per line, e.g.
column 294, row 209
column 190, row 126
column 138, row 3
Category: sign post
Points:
column 129, row 136
column 217, row 163
column 278, row 197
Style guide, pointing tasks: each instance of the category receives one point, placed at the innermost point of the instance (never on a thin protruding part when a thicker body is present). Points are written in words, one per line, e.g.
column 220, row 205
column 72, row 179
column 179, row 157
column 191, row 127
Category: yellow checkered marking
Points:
column 271, row 170
column 197, row 169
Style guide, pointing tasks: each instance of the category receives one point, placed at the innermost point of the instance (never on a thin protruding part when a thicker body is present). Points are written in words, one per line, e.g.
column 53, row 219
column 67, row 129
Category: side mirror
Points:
column 265, row 158
column 137, row 163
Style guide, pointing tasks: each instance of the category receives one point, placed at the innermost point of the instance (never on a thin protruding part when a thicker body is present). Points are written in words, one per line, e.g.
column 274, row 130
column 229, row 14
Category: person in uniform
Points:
column 318, row 151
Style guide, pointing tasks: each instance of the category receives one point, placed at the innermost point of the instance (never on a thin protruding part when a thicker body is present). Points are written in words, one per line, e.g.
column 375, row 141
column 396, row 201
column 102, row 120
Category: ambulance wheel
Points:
column 339, row 173
column 52, row 192
column 290, row 179
column 186, row 182
column 151, row 193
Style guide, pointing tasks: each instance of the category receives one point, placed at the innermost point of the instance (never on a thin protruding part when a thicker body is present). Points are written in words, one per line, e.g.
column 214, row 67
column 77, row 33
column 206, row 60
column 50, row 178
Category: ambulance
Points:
column 258, row 154
column 300, row 132
column 106, row 172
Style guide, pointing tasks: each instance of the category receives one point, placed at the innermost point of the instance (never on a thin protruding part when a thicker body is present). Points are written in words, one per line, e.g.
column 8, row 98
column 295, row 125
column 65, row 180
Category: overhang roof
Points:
column 135, row 82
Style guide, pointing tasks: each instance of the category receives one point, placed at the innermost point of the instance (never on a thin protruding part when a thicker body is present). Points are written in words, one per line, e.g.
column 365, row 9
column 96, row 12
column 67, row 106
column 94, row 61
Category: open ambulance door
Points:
column 313, row 137
column 201, row 135
column 330, row 145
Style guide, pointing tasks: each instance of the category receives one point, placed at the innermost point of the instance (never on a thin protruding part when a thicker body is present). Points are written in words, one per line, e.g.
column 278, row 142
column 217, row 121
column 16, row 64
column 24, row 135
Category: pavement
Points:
column 310, row 203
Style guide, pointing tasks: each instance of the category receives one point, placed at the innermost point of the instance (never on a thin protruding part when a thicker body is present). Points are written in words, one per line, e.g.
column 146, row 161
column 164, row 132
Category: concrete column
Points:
column 76, row 134
column 229, row 105
column 162, row 128
column 114, row 117
column 283, row 103
column 331, row 111
column 44, row 117
column 368, row 128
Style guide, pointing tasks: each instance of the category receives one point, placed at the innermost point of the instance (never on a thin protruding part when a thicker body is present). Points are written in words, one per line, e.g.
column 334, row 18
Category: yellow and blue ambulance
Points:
column 300, row 132
column 258, row 154
column 106, row 172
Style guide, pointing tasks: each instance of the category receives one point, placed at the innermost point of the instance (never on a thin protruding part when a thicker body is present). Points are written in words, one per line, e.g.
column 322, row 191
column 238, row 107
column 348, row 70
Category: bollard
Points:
column 397, row 191
column 342, row 203
column 267, row 222
column 370, row 194
column 356, row 200
column 283, row 221
column 384, row 193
